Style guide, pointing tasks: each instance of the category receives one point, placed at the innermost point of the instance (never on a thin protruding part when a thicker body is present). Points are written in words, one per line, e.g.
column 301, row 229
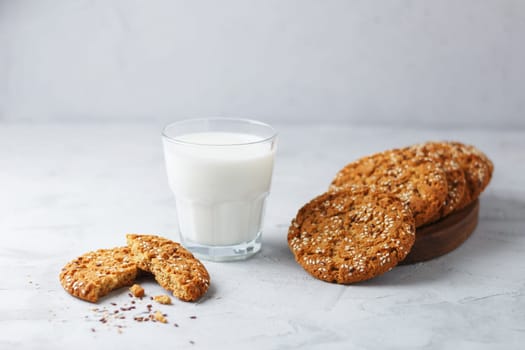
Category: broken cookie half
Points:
column 174, row 267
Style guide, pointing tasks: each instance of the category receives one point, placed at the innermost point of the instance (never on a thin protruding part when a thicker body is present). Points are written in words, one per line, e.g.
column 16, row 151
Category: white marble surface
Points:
column 431, row 62
column 67, row 189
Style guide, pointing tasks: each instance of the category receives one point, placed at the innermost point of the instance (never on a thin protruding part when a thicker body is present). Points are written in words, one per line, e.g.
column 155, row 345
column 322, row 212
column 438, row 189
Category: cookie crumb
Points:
column 137, row 290
column 163, row 299
column 160, row 317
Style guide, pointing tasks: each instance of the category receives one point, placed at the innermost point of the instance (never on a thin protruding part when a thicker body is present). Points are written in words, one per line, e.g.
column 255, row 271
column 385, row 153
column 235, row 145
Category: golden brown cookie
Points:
column 477, row 167
column 351, row 235
column 442, row 153
column 418, row 181
column 95, row 274
column 174, row 268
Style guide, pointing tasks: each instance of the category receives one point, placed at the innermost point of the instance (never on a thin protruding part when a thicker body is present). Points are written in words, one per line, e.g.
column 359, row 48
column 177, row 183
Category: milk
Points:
column 220, row 181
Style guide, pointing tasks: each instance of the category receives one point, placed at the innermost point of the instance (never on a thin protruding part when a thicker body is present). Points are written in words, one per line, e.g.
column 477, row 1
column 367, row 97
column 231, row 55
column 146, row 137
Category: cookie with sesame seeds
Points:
column 95, row 274
column 418, row 181
column 442, row 153
column 352, row 235
column 478, row 169
column 174, row 268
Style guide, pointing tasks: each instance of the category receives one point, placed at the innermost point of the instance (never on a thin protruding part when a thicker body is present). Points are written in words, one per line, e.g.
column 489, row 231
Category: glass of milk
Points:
column 220, row 171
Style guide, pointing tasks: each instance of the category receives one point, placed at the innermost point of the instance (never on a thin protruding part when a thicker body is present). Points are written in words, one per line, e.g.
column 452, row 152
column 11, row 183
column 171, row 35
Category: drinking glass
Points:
column 220, row 171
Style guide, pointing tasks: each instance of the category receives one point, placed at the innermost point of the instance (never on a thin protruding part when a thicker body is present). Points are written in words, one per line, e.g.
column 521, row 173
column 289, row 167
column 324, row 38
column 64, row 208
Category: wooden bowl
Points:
column 443, row 236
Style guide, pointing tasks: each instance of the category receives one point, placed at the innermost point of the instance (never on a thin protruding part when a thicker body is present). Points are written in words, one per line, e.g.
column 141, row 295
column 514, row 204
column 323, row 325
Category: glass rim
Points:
column 218, row 119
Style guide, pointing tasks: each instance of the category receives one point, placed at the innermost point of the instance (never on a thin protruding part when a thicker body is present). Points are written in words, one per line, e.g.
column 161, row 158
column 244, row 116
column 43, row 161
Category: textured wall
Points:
column 425, row 62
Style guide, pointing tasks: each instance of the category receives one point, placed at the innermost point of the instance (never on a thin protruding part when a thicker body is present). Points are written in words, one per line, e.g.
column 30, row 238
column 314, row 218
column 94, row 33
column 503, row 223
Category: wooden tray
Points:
column 443, row 236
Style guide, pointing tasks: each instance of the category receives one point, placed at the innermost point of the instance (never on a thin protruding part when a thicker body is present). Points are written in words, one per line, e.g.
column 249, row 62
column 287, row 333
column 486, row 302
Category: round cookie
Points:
column 477, row 168
column 418, row 181
column 97, row 273
column 443, row 154
column 353, row 235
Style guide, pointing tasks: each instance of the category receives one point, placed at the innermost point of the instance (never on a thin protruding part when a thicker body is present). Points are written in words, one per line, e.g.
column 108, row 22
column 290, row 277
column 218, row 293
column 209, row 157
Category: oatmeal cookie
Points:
column 352, row 235
column 174, row 268
column 95, row 274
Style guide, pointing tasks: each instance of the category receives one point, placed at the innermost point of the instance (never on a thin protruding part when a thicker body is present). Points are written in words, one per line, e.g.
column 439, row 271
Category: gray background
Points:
column 423, row 63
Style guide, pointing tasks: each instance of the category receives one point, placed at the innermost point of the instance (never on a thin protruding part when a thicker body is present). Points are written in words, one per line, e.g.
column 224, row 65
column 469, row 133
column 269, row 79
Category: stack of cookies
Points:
column 95, row 274
column 365, row 224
